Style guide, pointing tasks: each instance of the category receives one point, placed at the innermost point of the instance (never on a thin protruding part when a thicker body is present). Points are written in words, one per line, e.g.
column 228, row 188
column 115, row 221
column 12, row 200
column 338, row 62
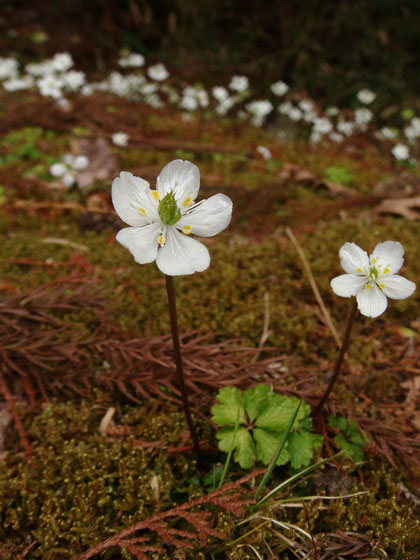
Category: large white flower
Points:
column 372, row 279
column 162, row 220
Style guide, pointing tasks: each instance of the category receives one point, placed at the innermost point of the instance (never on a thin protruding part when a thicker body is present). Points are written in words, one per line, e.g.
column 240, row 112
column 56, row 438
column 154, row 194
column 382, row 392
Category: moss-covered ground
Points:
column 81, row 487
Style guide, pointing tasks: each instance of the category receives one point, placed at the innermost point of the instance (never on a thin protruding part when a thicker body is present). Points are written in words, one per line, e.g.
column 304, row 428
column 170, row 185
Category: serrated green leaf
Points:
column 301, row 447
column 338, row 422
column 350, row 449
column 267, row 445
column 256, row 400
column 226, row 413
column 278, row 413
column 245, row 453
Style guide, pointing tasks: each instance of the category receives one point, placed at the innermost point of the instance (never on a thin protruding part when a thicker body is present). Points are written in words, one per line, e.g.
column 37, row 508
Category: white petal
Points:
column 373, row 302
column 209, row 217
column 182, row 178
column 348, row 285
column 352, row 258
column 397, row 287
column 182, row 254
column 390, row 254
column 133, row 201
column 142, row 242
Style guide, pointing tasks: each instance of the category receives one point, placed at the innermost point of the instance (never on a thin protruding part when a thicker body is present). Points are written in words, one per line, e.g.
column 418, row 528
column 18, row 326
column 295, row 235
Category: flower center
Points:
column 373, row 273
column 168, row 210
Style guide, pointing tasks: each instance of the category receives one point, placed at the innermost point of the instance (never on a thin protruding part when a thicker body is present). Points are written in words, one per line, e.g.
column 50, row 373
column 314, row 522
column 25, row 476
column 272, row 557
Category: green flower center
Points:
column 373, row 273
column 168, row 210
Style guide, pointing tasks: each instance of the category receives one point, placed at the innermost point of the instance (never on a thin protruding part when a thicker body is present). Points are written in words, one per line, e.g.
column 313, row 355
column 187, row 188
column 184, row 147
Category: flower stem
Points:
column 170, row 289
column 344, row 346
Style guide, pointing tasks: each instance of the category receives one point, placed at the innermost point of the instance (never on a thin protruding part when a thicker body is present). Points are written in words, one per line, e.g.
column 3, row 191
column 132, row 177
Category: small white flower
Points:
column 80, row 163
column 279, row 88
column 285, row 108
column 388, row 133
column 264, row 152
column 259, row 109
column 336, row 137
column 295, row 114
column 332, row 111
column 68, row 179
column 306, row 105
column 68, row 159
column 8, row 68
column 62, row 62
column 158, row 72
column 74, row 80
column 18, row 84
column 162, row 220
column 50, row 86
column 322, row 125
column 220, row 93
column 120, row 139
column 400, row 152
column 239, row 83
column 345, row 127
column 372, row 279
column 58, row 169
column 132, row 60
column 366, row 96
column 363, row 116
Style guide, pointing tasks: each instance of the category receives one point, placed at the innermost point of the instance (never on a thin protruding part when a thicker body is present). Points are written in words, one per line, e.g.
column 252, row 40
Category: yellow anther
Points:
column 386, row 271
column 141, row 211
column 187, row 230
column 373, row 260
column 161, row 240
column 186, row 201
column 358, row 270
column 155, row 195
column 382, row 286
column 368, row 286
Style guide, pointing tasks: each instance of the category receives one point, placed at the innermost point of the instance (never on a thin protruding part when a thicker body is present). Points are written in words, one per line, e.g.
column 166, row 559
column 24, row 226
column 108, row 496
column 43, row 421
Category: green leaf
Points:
column 278, row 413
column 350, row 449
column 338, row 422
column 226, row 413
column 245, row 453
column 267, row 445
column 256, row 400
column 339, row 174
column 301, row 447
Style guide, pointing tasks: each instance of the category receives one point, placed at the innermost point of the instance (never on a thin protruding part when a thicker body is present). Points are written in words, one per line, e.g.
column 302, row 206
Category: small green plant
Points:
column 339, row 174
column 350, row 439
column 263, row 418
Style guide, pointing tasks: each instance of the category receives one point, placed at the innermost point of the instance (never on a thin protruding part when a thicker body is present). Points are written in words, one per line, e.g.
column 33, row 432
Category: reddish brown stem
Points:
column 337, row 369
column 170, row 289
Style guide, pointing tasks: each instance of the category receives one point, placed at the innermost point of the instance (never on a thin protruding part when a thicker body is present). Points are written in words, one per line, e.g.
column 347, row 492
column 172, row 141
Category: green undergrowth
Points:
column 82, row 487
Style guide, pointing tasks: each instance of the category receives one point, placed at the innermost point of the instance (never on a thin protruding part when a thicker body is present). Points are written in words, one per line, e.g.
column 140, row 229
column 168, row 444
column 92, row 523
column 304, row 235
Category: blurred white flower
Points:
column 225, row 105
column 74, row 80
column 372, row 279
column 259, row 110
column 239, row 83
column 158, row 72
column 220, row 93
column 50, row 86
column 323, row 125
column 336, row 137
column 162, row 220
column 306, row 105
column 400, row 152
column 68, row 179
column 388, row 133
column 8, row 68
column 279, row 88
column 345, row 127
column 295, row 114
column 366, row 96
column 264, row 152
column 40, row 68
column 285, row 108
column 189, row 102
column 58, row 169
column 17, row 84
column 132, row 60
column 332, row 111
column 362, row 117
column 80, row 163
column 120, row 139
column 61, row 62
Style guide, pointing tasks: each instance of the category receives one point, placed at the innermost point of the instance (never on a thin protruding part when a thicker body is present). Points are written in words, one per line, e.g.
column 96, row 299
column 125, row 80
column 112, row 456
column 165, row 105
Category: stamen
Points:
column 186, row 201
column 386, row 271
column 373, row 260
column 161, row 240
column 368, row 286
column 382, row 286
column 187, row 230
column 155, row 195
column 359, row 270
column 141, row 211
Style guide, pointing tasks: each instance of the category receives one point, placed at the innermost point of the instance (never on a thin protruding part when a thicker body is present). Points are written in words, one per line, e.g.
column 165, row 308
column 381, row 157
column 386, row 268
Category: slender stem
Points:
column 170, row 289
column 344, row 346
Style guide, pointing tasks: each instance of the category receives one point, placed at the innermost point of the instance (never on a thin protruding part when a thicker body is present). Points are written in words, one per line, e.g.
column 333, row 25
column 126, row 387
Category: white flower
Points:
column 400, row 152
column 388, row 133
column 279, row 88
column 332, row 111
column 345, row 127
column 58, row 169
column 17, row 84
column 336, row 137
column 259, row 109
column 132, row 60
column 162, row 220
column 62, row 62
column 285, row 108
column 50, row 86
column 74, row 80
column 239, row 83
column 372, row 279
column 306, row 105
column 220, row 93
column 120, row 139
column 295, row 114
column 68, row 179
column 264, row 152
column 158, row 72
column 363, row 116
column 8, row 68
column 366, row 96
column 322, row 125
column 80, row 163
